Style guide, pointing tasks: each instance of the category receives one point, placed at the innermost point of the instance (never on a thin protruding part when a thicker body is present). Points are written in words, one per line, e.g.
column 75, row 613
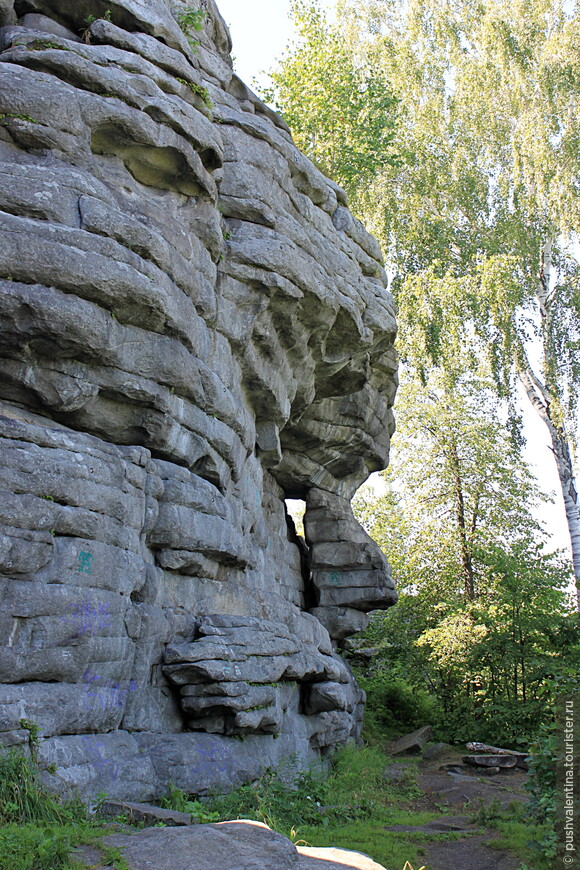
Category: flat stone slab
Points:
column 145, row 814
column 444, row 825
column 465, row 772
column 522, row 758
column 241, row 845
column 411, row 744
column 504, row 761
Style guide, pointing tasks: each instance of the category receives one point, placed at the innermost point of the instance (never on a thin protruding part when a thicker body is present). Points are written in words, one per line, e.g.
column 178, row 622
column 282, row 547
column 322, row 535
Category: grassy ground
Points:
column 349, row 809
column 517, row 834
column 37, row 831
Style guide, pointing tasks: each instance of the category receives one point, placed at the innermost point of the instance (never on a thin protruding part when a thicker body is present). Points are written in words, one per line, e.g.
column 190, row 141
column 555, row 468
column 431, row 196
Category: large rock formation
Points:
column 194, row 329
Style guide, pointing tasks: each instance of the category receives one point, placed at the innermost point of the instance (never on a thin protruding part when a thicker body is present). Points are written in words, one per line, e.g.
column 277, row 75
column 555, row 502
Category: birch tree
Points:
column 484, row 191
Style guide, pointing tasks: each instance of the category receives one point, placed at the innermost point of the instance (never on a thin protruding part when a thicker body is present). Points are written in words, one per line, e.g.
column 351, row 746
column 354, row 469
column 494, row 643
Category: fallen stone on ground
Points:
column 443, row 825
column 411, row 744
column 144, row 814
column 490, row 760
column 521, row 757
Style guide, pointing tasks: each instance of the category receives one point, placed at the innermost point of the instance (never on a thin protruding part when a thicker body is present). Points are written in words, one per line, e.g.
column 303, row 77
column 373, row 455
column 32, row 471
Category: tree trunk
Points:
column 538, row 396
column 541, row 398
column 466, row 561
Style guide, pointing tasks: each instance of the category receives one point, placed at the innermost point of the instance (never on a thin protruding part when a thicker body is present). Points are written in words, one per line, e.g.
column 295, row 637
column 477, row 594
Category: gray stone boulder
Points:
column 241, row 845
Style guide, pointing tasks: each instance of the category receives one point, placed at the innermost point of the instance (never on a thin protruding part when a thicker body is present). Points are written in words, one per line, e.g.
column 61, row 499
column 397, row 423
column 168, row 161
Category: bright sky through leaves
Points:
column 261, row 30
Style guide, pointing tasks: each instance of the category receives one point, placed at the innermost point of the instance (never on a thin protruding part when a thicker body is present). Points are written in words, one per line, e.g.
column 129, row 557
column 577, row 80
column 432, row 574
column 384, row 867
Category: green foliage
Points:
column 200, row 91
column 516, row 832
column 22, row 797
column 542, row 781
column 5, row 116
column 113, row 857
column 191, row 19
column 341, row 110
column 32, row 847
column 37, row 830
column 178, row 800
column 394, row 705
column 283, row 799
column 484, row 624
column 33, row 728
column 478, row 214
column 547, row 758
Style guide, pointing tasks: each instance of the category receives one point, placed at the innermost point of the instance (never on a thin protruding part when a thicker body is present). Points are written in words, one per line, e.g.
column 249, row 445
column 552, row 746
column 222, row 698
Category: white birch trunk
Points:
column 541, row 399
column 562, row 456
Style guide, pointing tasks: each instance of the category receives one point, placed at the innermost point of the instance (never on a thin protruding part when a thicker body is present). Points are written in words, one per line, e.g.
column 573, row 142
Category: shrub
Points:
column 392, row 704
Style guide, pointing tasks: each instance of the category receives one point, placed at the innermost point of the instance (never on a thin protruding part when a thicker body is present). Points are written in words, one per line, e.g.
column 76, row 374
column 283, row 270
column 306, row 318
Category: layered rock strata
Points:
column 194, row 329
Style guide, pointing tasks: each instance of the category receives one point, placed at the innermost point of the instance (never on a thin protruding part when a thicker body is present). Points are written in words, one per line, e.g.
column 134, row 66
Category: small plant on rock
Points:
column 191, row 19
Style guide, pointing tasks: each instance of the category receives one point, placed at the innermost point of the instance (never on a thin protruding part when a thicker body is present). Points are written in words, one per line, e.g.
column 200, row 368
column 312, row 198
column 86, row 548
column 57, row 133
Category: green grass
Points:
column 517, row 833
column 35, row 847
column 522, row 838
column 37, row 831
column 348, row 809
column 388, row 848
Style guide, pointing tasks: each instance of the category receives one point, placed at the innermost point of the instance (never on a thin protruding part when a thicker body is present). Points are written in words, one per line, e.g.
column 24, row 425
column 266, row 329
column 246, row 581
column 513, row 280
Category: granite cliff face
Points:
column 194, row 329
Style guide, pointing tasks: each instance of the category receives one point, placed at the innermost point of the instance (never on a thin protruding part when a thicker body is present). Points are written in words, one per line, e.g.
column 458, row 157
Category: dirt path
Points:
column 469, row 854
column 448, row 787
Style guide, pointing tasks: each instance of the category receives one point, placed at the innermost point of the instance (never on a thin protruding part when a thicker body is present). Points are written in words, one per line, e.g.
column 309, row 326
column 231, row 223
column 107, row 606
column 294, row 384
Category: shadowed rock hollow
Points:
column 194, row 329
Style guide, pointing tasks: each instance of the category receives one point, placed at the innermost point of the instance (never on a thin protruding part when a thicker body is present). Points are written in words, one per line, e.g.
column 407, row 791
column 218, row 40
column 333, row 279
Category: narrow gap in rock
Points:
column 295, row 509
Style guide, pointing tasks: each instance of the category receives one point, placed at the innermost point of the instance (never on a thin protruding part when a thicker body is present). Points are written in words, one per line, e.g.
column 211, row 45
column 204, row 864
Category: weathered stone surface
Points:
column 219, row 673
column 323, row 697
column 194, row 329
column 503, row 761
column 522, row 758
column 411, row 744
column 230, row 846
column 341, row 622
column 143, row 814
column 347, row 566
